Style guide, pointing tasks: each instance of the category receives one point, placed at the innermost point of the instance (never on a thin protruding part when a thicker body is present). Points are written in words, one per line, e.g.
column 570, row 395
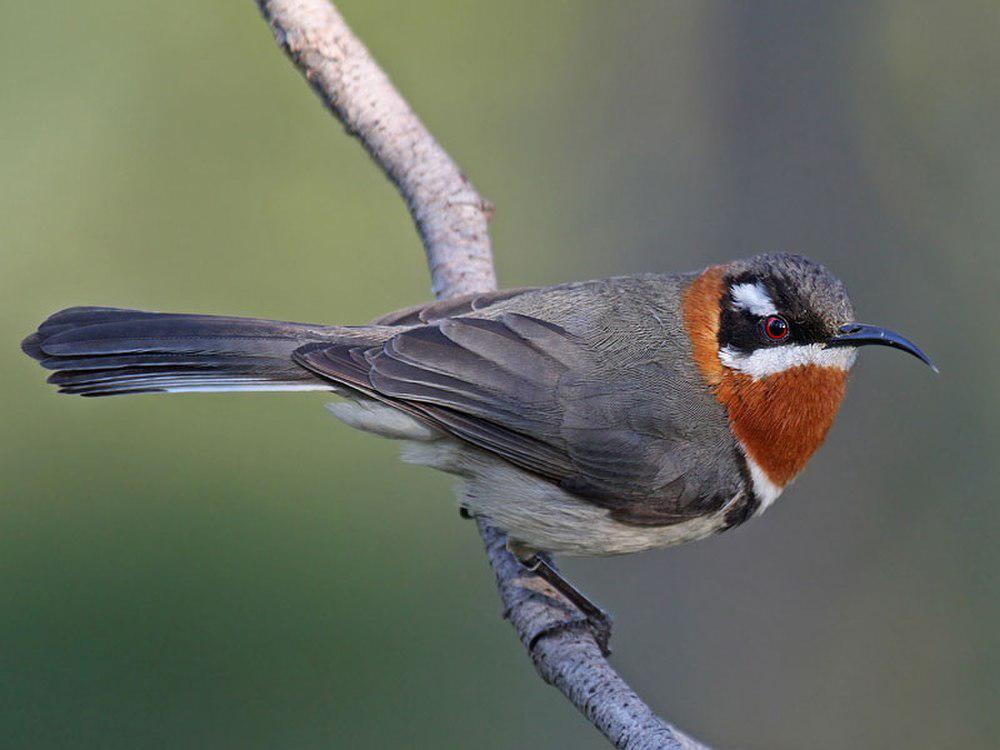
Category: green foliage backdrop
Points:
column 244, row 572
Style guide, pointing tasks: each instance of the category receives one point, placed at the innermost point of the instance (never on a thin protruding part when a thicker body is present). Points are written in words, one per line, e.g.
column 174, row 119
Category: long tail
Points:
column 103, row 351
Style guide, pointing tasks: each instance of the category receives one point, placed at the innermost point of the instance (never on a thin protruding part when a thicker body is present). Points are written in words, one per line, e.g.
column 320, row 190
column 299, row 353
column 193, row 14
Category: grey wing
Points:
column 533, row 394
column 429, row 312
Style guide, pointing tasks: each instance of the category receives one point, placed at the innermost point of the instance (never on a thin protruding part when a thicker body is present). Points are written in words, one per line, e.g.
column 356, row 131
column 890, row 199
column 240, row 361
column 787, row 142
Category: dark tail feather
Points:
column 103, row 351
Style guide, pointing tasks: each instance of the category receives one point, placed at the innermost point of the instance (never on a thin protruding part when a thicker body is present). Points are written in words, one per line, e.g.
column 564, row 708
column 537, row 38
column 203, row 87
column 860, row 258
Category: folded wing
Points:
column 533, row 394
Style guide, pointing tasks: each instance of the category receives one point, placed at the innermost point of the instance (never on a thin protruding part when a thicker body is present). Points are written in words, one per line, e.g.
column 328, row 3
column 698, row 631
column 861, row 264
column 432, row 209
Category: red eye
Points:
column 776, row 328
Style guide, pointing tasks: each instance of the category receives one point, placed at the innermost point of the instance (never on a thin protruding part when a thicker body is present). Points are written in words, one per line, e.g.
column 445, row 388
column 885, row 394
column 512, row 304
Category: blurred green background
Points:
column 242, row 571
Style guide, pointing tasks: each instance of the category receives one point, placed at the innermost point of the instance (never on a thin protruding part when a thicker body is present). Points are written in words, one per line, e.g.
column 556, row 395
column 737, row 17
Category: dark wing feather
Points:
column 528, row 391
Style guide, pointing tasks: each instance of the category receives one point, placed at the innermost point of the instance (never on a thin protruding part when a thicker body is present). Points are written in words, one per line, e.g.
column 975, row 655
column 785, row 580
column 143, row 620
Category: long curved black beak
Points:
column 860, row 334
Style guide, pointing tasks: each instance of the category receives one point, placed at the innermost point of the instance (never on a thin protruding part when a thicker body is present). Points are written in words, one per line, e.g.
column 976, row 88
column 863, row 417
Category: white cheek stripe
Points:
column 753, row 298
column 765, row 490
column 768, row 361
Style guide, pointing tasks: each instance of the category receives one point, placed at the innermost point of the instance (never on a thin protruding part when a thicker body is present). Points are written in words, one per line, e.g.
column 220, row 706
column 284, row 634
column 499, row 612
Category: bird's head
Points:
column 783, row 311
column 774, row 337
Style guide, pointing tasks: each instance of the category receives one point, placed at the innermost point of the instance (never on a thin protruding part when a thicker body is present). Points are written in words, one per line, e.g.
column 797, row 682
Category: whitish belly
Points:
column 532, row 511
column 539, row 515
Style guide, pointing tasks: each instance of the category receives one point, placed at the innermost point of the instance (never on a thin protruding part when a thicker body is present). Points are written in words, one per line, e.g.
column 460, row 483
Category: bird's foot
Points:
column 598, row 620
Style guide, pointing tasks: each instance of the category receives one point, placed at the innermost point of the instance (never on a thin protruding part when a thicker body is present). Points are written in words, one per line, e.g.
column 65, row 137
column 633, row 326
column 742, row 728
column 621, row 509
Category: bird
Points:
column 593, row 418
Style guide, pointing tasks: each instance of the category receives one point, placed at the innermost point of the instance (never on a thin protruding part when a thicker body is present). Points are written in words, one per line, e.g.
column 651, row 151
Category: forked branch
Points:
column 452, row 218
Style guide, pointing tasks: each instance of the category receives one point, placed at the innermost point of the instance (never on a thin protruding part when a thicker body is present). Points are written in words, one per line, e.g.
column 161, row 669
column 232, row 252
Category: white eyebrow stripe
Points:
column 753, row 298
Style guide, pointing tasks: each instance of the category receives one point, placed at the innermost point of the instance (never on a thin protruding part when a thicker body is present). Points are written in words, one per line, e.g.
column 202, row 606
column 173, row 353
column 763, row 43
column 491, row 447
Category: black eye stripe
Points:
column 743, row 331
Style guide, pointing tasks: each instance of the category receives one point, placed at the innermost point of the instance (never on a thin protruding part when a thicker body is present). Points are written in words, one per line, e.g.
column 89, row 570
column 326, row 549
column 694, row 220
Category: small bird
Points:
column 591, row 418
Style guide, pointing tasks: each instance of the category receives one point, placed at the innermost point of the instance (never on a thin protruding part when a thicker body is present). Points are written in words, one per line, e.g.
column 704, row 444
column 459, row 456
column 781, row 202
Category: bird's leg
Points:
column 599, row 620
column 536, row 564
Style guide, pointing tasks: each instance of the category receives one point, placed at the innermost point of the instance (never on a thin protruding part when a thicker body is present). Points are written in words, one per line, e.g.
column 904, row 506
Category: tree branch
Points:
column 450, row 215
column 451, row 219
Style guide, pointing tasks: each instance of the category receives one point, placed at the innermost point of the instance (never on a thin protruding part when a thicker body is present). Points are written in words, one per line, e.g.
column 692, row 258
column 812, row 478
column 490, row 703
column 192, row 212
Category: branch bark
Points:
column 452, row 218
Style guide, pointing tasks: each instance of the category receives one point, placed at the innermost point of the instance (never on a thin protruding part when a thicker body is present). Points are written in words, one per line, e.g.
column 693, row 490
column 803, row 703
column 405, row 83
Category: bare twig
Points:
column 450, row 215
column 567, row 655
column 452, row 218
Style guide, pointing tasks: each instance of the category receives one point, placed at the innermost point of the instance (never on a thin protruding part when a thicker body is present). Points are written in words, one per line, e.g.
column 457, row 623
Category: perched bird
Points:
column 592, row 418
